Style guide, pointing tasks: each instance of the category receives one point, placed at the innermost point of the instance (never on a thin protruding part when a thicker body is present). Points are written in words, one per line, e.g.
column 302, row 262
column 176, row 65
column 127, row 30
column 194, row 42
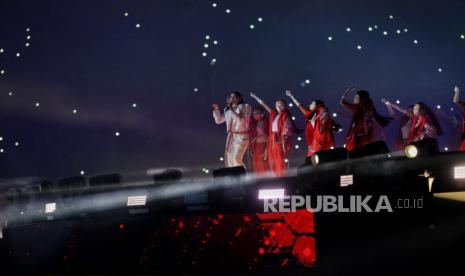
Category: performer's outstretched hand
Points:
column 385, row 101
column 456, row 95
column 289, row 93
column 349, row 90
column 215, row 106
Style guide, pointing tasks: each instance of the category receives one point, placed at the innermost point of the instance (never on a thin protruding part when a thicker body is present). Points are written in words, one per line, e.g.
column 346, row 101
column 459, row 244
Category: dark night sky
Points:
column 87, row 55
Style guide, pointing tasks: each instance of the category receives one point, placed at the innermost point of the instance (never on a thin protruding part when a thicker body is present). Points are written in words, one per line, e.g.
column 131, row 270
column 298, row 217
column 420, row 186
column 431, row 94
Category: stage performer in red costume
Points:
column 236, row 115
column 320, row 125
column 462, row 105
column 280, row 136
column 259, row 130
column 424, row 123
column 364, row 117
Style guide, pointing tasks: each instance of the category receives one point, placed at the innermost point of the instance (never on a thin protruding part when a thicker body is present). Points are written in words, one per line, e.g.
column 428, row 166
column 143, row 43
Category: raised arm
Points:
column 457, row 97
column 217, row 115
column 397, row 107
column 345, row 103
column 303, row 109
column 261, row 102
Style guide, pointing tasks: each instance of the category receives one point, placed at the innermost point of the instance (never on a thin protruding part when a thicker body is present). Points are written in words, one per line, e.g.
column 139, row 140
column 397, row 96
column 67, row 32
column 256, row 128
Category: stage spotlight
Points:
column 423, row 147
column 459, row 172
column 50, row 207
column 346, row 180
column 270, row 193
column 375, row 148
column 326, row 156
column 137, row 200
column 411, row 151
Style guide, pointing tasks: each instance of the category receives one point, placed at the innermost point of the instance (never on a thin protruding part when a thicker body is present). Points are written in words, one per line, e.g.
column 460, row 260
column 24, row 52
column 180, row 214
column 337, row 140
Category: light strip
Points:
column 347, row 180
column 50, row 207
column 270, row 193
column 459, row 172
column 137, row 200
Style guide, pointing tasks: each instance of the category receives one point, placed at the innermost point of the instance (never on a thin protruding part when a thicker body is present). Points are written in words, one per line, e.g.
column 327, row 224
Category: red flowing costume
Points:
column 421, row 128
column 278, row 147
column 362, row 128
column 462, row 145
column 258, row 147
column 319, row 135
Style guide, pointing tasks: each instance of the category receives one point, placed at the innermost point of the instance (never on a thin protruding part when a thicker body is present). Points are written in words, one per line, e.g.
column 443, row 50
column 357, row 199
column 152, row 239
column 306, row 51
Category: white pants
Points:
column 236, row 146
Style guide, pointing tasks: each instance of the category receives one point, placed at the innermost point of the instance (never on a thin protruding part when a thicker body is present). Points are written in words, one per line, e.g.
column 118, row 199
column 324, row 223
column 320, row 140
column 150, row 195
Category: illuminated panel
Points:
column 137, row 200
column 271, row 193
column 459, row 172
column 347, row 180
column 50, row 207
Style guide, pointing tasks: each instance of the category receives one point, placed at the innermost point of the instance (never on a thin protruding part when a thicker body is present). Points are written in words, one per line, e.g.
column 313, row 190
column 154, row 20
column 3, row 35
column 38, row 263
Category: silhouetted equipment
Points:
column 72, row 183
column 422, row 148
column 168, row 175
column 105, row 180
column 327, row 156
column 232, row 171
column 375, row 148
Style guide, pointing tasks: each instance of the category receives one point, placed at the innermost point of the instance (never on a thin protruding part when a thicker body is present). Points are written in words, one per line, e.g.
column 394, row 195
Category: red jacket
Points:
column 283, row 117
column 421, row 128
column 362, row 129
column 320, row 136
